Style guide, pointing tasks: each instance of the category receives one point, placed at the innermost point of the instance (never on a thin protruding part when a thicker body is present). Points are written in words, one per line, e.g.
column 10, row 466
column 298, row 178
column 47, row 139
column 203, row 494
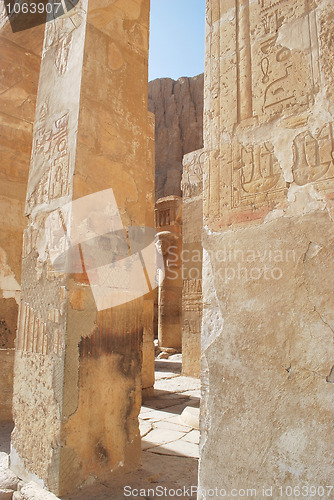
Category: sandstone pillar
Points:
column 19, row 61
column 192, row 200
column 169, row 226
column 268, row 316
column 148, row 367
column 77, row 389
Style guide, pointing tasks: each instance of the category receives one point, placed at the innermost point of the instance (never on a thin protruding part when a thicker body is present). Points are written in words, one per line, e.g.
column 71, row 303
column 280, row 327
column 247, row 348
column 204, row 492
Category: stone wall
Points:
column 192, row 197
column 19, row 61
column 267, row 334
column 78, row 361
column 178, row 109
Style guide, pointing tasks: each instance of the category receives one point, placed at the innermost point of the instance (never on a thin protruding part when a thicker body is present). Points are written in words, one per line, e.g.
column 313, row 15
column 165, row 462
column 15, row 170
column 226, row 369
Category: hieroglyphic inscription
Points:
column 192, row 295
column 32, row 332
column 59, row 35
column 313, row 156
column 164, row 217
column 30, row 236
column 52, row 146
column 286, row 72
column 271, row 77
column 192, row 177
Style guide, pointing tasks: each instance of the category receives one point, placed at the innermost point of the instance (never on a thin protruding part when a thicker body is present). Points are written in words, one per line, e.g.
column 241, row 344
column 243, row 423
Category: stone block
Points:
column 77, row 357
column 8, row 480
column 190, row 416
column 192, row 189
column 4, row 460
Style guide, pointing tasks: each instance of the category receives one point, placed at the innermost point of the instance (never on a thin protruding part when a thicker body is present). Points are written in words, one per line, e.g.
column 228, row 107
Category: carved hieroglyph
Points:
column 192, row 189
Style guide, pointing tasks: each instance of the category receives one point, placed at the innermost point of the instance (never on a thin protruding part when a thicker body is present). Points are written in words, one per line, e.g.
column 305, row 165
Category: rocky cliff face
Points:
column 178, row 109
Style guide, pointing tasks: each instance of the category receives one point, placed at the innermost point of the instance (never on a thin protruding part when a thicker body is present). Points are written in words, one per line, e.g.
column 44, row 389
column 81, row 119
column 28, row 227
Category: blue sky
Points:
column 176, row 38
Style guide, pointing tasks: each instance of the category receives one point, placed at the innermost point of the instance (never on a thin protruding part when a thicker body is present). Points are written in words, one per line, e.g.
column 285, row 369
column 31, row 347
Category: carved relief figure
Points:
column 313, row 155
column 258, row 168
column 52, row 146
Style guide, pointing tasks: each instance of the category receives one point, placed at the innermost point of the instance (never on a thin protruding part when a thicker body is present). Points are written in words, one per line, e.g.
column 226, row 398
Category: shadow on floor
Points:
column 158, row 474
column 5, row 432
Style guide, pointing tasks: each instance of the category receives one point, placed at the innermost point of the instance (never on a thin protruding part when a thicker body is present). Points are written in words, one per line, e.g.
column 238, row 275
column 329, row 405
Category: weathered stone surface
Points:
column 178, row 109
column 8, row 480
column 267, row 335
column 19, row 61
column 168, row 215
column 6, row 383
column 33, row 491
column 192, row 197
column 78, row 367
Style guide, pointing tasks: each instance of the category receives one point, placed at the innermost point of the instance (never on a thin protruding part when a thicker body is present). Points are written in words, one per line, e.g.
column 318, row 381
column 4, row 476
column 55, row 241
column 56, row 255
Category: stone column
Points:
column 268, row 310
column 77, row 389
column 19, row 61
column 148, row 367
column 192, row 200
column 169, row 226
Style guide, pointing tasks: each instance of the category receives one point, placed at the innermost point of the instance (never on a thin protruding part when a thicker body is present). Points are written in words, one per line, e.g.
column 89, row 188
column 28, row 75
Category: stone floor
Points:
column 170, row 446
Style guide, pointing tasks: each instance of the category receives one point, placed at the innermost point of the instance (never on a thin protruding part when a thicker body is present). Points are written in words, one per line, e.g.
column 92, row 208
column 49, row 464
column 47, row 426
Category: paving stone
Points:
column 178, row 384
column 8, row 480
column 144, row 428
column 179, row 408
column 167, row 424
column 164, row 375
column 163, row 355
column 160, row 436
column 192, row 436
column 155, row 415
column 176, row 357
column 179, row 447
column 160, row 403
column 144, row 409
column 176, row 420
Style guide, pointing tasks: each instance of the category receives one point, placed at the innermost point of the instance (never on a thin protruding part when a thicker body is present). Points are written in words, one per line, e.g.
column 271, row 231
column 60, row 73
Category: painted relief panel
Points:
column 270, row 88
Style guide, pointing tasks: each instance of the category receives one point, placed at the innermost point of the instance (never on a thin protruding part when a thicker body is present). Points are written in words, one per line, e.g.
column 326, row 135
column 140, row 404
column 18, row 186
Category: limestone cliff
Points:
column 178, row 109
